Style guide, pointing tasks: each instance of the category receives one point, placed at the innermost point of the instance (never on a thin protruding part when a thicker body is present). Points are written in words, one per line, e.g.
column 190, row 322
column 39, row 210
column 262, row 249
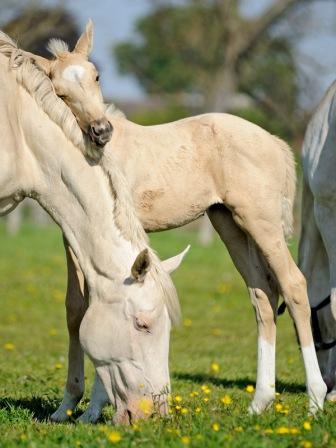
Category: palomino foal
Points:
column 244, row 179
column 132, row 301
column 76, row 81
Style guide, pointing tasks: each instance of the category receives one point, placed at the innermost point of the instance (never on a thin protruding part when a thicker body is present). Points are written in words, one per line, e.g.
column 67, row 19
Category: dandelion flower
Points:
column 198, row 410
column 193, row 394
column 58, row 366
column 227, row 400
column 146, row 406
column 268, row 431
column 178, row 398
column 69, row 412
column 282, row 430
column 215, row 427
column 238, row 429
column 307, row 425
column 306, row 444
column 185, row 440
column 249, row 388
column 187, row 323
column 9, row 346
column 205, row 399
column 215, row 367
column 184, row 411
column 278, row 407
column 114, row 437
column 294, row 431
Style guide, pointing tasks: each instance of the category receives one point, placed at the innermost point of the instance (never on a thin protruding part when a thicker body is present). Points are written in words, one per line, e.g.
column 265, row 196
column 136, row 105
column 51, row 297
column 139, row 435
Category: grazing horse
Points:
column 132, row 300
column 317, row 249
column 244, row 179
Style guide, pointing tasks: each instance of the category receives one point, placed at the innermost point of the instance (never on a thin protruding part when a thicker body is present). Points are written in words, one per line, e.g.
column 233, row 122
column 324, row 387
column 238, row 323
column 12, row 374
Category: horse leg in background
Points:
column 314, row 264
column 76, row 305
column 265, row 228
column 326, row 221
column 264, row 295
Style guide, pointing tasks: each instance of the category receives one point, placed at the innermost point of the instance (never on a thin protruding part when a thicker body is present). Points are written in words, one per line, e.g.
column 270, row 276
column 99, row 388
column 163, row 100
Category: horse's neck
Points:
column 78, row 196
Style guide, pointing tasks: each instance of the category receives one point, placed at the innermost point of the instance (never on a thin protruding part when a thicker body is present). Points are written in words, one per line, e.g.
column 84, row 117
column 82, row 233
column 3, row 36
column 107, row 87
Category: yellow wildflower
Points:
column 268, row 431
column 306, row 444
column 58, row 365
column 216, row 427
column 9, row 346
column 282, row 430
column 226, row 400
column 178, row 398
column 294, row 431
column 193, row 394
column 185, row 440
column 250, row 388
column 114, row 437
column 238, row 429
column 184, row 411
column 278, row 407
column 187, row 323
column 178, row 408
column 146, row 406
column 307, row 425
column 69, row 412
column 205, row 399
column 198, row 410
column 215, row 367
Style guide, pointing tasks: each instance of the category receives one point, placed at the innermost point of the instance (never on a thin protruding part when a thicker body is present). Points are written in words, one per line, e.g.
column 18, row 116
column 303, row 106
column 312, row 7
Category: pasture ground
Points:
column 213, row 358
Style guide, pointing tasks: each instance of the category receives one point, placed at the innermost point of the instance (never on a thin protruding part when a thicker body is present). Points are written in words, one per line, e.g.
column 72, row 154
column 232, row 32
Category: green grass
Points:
column 219, row 326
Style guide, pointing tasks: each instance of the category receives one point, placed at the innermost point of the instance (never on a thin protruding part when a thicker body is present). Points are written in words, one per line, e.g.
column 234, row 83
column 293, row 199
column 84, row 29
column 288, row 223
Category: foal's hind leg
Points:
column 264, row 227
column 76, row 306
column 264, row 295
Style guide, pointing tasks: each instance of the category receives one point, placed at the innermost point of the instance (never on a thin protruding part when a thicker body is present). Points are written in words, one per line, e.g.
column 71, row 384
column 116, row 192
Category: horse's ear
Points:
column 141, row 266
column 173, row 263
column 85, row 42
column 43, row 63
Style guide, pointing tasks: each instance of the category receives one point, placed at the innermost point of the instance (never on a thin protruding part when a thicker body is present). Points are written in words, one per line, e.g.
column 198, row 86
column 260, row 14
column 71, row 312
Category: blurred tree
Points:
column 32, row 25
column 208, row 49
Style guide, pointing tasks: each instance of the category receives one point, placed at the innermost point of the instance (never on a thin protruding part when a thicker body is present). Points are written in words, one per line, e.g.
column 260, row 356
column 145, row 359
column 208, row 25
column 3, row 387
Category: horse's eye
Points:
column 97, row 78
column 63, row 97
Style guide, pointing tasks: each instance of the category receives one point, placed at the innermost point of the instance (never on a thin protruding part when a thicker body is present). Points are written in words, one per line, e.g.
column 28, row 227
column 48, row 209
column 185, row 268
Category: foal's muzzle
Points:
column 100, row 132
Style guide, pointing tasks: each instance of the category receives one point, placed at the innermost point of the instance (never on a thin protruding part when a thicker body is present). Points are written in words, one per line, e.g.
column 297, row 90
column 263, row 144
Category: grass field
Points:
column 213, row 358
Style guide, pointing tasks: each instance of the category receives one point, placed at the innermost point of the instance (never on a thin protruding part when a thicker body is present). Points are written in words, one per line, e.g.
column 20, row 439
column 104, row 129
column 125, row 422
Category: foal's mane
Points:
column 40, row 87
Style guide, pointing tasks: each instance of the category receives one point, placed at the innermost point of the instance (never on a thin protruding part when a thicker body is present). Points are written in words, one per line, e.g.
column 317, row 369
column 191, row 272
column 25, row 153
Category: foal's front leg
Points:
column 76, row 305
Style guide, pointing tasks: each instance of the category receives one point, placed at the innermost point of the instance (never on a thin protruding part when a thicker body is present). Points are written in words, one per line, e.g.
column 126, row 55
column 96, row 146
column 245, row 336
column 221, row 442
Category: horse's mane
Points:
column 40, row 87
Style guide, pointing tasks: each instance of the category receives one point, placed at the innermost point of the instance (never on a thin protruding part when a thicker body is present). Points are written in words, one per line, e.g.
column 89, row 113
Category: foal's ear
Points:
column 171, row 264
column 85, row 42
column 43, row 63
column 141, row 266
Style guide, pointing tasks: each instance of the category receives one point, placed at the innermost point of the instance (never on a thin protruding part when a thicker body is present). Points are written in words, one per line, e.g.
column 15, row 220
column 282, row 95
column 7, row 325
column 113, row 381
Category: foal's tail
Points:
column 289, row 188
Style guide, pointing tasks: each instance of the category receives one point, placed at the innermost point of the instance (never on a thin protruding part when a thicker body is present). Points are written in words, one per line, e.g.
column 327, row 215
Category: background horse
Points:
column 132, row 301
column 244, row 178
column 317, row 250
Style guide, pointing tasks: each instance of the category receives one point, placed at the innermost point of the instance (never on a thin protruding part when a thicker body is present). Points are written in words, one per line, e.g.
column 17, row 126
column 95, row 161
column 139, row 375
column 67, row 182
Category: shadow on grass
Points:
column 40, row 408
column 239, row 383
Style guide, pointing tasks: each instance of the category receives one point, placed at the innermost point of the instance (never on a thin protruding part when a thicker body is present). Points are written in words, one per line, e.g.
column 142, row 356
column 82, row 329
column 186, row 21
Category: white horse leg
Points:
column 267, row 233
column 76, row 305
column 326, row 222
column 264, row 296
column 98, row 400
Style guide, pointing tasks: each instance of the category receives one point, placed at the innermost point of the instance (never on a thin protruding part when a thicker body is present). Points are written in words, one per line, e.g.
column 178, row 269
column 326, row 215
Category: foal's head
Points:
column 76, row 81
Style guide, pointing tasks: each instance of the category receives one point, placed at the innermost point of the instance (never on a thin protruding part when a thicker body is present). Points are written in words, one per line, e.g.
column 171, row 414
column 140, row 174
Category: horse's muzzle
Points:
column 100, row 132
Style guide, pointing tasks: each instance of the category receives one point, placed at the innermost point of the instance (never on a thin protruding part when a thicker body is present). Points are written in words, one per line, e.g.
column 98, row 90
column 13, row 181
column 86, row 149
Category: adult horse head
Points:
column 76, row 81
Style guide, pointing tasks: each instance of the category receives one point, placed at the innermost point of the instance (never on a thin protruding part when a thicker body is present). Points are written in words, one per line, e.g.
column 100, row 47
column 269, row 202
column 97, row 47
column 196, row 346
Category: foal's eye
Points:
column 63, row 97
column 97, row 78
